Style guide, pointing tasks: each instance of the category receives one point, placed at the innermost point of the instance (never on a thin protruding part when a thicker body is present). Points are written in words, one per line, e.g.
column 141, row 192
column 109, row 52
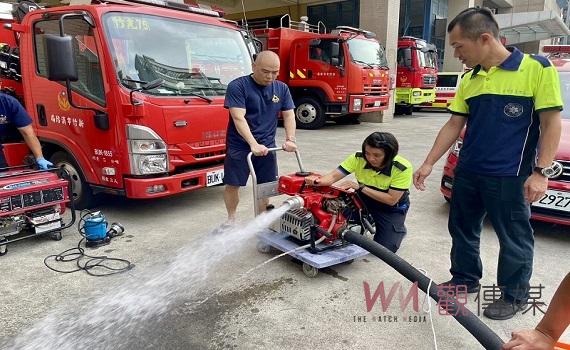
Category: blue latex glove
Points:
column 44, row 164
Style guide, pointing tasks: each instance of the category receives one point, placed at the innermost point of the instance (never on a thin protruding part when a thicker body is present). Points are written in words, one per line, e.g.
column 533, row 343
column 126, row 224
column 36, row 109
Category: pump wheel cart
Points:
column 316, row 218
column 32, row 203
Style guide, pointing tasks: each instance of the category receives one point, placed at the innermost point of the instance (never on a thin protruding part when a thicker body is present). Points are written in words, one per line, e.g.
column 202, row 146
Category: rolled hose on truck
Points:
column 486, row 337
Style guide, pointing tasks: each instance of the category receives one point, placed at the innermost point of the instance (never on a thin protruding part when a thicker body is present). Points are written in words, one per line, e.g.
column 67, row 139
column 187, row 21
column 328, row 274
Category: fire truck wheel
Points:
column 56, row 236
column 309, row 113
column 3, row 248
column 263, row 248
column 310, row 271
column 82, row 192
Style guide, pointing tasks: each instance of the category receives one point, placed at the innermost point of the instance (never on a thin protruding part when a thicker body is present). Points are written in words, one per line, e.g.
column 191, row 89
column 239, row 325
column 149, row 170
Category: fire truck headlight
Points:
column 357, row 104
column 148, row 153
column 416, row 93
column 150, row 163
column 147, row 146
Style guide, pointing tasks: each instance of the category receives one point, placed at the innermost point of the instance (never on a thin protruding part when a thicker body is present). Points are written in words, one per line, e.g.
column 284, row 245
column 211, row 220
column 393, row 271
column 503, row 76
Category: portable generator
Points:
column 32, row 203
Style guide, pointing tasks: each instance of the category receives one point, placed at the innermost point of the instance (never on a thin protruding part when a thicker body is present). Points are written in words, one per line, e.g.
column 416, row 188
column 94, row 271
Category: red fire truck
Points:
column 416, row 75
column 127, row 95
column 334, row 75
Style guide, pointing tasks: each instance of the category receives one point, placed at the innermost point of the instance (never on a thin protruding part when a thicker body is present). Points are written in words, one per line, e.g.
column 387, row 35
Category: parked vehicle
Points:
column 127, row 95
column 333, row 75
column 554, row 206
column 416, row 75
column 445, row 89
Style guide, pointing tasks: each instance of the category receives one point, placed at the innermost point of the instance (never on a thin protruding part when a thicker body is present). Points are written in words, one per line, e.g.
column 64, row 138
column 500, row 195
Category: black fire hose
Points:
column 466, row 318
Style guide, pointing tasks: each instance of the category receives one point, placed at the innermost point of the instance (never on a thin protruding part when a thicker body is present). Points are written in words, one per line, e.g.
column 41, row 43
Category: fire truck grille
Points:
column 208, row 154
column 429, row 79
column 297, row 223
column 375, row 90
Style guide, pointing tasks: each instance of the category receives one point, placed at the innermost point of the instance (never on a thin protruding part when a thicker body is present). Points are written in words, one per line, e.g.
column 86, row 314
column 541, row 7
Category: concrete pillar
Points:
column 450, row 63
column 382, row 18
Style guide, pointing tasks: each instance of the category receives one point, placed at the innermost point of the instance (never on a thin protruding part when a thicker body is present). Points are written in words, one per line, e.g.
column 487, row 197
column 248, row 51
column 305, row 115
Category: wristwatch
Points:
column 550, row 172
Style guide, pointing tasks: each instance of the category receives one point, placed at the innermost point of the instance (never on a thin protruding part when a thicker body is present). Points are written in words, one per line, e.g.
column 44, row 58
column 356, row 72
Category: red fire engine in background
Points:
column 127, row 95
column 416, row 75
column 335, row 75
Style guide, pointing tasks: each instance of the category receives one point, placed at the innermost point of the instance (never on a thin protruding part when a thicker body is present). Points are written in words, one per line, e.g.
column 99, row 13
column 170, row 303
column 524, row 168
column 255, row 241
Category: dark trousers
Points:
column 502, row 200
column 389, row 222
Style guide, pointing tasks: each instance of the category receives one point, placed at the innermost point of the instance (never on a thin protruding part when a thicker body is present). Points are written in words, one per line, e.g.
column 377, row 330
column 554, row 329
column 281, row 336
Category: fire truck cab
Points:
column 416, row 75
column 330, row 75
column 127, row 95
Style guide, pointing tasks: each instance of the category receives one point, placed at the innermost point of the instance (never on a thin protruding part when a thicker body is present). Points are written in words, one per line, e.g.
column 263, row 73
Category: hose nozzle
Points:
column 295, row 202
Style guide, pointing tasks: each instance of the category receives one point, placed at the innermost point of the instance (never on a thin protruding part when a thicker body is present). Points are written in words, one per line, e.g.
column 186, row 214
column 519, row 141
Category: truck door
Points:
column 56, row 120
column 322, row 65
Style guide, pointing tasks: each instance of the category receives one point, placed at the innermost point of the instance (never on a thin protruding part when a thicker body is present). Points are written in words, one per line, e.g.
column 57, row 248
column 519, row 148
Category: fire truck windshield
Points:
column 367, row 51
column 426, row 58
column 190, row 57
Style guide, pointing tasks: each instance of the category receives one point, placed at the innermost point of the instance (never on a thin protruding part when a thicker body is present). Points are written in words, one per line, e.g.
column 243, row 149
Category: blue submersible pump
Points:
column 96, row 230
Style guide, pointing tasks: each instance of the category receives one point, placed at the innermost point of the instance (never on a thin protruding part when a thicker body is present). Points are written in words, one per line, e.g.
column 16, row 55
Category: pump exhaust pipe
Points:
column 294, row 202
column 486, row 337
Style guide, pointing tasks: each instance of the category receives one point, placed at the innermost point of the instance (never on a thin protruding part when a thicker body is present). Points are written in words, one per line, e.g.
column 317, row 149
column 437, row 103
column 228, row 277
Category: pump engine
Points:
column 325, row 214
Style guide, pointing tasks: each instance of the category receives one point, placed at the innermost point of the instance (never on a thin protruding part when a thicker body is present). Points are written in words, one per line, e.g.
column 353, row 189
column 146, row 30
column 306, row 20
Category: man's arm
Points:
column 238, row 116
column 445, row 138
column 289, row 124
column 550, row 129
column 550, row 328
column 32, row 141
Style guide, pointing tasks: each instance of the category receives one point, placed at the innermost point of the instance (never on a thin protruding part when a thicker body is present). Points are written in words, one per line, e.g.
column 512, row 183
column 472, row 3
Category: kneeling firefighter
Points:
column 383, row 182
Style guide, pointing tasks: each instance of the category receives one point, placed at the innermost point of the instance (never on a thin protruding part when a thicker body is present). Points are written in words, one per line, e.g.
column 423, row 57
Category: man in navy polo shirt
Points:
column 254, row 102
column 13, row 120
column 510, row 103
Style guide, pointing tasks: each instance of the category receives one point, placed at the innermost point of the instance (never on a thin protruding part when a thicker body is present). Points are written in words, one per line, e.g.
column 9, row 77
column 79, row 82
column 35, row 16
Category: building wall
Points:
column 382, row 18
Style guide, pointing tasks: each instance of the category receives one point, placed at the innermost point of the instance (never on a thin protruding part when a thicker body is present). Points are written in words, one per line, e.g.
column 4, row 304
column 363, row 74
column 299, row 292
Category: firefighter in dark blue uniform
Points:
column 15, row 121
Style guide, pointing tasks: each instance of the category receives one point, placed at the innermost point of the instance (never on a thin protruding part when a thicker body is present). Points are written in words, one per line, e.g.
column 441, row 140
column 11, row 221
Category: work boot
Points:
column 502, row 309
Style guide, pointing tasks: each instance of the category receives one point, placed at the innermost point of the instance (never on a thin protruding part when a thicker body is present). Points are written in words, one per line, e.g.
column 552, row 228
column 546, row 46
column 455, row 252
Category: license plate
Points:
column 555, row 200
column 377, row 103
column 215, row 177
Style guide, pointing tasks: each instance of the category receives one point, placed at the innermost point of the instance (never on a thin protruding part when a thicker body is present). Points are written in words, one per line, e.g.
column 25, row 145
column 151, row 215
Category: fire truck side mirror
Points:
column 60, row 59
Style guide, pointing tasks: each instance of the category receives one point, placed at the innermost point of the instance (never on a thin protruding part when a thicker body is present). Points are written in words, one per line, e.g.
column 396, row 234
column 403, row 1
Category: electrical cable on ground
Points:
column 426, row 297
column 85, row 262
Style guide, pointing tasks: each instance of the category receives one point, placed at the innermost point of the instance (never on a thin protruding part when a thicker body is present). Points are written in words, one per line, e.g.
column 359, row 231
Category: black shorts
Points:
column 236, row 170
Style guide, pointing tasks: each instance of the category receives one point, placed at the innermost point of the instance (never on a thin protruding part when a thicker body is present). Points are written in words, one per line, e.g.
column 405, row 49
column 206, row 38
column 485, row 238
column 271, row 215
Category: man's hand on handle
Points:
column 289, row 146
column 420, row 175
column 259, row 150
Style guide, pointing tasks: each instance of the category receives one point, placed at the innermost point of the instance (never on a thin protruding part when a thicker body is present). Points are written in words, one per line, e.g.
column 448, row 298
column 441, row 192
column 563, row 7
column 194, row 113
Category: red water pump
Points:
column 324, row 215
